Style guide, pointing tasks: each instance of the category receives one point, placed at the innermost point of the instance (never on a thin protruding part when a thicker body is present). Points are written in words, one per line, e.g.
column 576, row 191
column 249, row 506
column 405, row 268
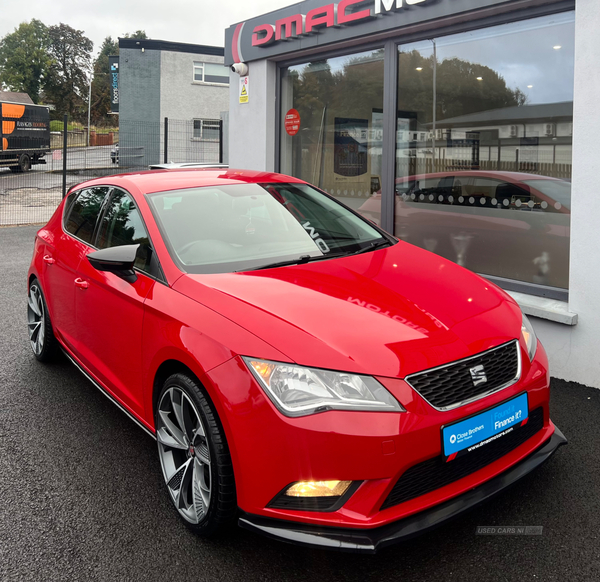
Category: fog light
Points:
column 318, row 489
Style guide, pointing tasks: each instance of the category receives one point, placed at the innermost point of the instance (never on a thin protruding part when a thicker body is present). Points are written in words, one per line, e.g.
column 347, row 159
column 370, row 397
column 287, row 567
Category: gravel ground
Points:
column 82, row 498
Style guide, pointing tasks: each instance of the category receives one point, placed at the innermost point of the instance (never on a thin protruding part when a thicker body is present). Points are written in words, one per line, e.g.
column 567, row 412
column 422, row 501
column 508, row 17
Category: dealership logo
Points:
column 332, row 15
column 453, row 439
column 478, row 375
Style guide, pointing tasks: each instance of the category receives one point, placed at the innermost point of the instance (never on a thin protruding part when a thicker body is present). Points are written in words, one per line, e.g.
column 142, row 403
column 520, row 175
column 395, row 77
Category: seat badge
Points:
column 478, row 375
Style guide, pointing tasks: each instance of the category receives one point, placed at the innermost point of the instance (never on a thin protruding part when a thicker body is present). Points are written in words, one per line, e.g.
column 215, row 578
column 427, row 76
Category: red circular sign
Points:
column 292, row 122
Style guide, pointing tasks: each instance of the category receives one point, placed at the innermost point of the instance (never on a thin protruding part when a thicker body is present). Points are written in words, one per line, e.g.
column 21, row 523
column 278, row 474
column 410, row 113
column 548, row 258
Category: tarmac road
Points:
column 82, row 498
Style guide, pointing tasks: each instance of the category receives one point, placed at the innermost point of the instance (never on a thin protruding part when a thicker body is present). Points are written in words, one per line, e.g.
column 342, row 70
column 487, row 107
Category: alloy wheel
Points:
column 35, row 319
column 184, row 454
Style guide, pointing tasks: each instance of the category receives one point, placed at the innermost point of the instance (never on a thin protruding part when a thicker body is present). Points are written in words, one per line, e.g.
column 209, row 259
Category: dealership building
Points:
column 466, row 127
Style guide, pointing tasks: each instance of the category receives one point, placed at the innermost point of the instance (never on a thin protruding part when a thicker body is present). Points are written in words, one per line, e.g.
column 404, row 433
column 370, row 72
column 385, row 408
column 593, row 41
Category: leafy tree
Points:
column 24, row 59
column 67, row 84
column 459, row 90
column 139, row 34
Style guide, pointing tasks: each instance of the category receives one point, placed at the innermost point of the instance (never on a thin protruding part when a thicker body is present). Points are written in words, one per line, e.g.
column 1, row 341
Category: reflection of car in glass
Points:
column 507, row 224
column 114, row 154
column 302, row 371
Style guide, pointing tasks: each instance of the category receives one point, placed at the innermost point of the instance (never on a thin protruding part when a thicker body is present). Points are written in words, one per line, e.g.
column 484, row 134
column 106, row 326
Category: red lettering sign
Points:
column 268, row 30
column 283, row 28
column 344, row 18
column 292, row 122
column 324, row 16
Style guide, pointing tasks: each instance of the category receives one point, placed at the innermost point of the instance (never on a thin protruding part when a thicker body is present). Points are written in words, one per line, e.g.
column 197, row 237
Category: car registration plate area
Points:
column 485, row 427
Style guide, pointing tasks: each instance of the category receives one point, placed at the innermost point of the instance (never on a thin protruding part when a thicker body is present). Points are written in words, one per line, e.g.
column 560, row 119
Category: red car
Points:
column 303, row 372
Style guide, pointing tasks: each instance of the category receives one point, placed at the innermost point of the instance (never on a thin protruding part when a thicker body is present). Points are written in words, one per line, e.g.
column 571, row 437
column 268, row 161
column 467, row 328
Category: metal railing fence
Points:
column 32, row 196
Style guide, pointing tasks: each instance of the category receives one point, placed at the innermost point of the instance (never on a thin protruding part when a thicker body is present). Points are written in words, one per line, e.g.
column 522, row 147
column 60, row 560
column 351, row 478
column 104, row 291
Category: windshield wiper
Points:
column 378, row 244
column 313, row 258
column 299, row 261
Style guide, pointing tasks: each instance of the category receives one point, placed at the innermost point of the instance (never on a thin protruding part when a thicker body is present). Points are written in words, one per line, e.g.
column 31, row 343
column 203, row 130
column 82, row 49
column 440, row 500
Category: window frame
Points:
column 203, row 122
column 201, row 65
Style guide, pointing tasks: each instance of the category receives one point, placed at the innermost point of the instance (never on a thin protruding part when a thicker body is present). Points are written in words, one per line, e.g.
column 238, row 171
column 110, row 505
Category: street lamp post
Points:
column 89, row 110
column 434, row 103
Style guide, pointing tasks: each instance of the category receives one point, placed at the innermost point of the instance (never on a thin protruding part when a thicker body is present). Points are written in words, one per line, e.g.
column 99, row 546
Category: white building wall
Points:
column 253, row 147
column 181, row 97
column 574, row 352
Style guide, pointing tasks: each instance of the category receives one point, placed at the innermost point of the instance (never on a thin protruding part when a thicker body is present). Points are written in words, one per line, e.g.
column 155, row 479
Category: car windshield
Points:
column 220, row 229
column 558, row 190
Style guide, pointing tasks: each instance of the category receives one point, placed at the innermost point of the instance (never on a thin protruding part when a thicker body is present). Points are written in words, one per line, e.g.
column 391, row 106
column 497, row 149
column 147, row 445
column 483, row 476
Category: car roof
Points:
column 151, row 181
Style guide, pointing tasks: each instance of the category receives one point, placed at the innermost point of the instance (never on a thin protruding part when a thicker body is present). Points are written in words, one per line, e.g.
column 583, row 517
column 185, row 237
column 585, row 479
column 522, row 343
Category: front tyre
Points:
column 41, row 335
column 194, row 456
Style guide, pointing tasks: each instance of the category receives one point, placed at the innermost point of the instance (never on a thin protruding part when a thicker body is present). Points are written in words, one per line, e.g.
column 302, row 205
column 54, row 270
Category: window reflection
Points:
column 483, row 149
column 337, row 145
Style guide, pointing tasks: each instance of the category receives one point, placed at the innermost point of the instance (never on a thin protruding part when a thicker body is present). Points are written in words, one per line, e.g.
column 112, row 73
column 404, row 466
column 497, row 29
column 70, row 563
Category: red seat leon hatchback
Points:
column 303, row 372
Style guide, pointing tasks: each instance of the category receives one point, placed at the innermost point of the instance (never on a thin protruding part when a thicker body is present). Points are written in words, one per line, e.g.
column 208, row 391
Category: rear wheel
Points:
column 194, row 456
column 24, row 163
column 41, row 335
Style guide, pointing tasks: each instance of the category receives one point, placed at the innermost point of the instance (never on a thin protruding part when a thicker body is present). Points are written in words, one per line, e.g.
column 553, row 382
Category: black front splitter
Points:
column 371, row 540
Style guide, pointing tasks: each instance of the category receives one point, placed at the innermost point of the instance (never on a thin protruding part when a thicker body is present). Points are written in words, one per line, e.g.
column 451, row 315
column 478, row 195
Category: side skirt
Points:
column 107, row 394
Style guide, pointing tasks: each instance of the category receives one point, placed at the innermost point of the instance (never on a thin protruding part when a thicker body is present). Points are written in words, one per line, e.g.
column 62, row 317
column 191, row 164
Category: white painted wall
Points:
column 252, row 124
column 181, row 97
column 574, row 352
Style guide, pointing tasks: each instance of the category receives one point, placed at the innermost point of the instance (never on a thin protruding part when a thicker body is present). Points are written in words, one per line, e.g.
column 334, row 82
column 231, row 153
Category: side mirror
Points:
column 117, row 260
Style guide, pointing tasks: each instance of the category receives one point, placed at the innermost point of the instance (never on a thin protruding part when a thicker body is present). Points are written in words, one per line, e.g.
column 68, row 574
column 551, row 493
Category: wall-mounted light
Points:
column 480, row 78
column 557, row 47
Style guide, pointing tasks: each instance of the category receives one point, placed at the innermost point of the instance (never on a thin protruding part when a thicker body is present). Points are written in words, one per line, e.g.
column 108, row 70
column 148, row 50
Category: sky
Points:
column 192, row 21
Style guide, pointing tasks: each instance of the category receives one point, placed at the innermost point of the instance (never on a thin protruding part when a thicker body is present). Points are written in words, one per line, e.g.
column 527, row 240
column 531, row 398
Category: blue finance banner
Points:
column 486, row 427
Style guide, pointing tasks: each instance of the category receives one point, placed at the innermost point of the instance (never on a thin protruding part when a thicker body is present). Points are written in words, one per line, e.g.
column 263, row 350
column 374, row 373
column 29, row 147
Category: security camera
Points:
column 240, row 68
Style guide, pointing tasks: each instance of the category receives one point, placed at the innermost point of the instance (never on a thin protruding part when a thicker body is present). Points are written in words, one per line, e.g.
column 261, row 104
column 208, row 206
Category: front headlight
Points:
column 529, row 337
column 299, row 391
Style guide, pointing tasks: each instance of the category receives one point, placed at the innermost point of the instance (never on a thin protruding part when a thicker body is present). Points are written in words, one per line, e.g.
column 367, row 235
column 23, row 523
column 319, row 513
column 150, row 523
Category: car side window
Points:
column 83, row 213
column 122, row 224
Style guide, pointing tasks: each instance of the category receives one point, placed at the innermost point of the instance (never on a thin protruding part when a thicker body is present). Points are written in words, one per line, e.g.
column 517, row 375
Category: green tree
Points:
column 139, row 34
column 68, row 81
column 24, row 59
column 459, row 90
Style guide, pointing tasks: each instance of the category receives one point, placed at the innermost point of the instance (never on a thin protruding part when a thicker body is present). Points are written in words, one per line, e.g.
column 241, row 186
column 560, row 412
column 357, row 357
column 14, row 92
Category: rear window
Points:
column 83, row 213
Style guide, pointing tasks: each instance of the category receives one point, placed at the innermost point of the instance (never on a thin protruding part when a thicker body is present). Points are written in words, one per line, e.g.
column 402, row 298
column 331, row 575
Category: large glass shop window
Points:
column 483, row 148
column 331, row 134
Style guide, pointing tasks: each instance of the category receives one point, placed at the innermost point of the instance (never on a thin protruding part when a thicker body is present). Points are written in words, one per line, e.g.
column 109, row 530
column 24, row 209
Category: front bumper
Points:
column 371, row 540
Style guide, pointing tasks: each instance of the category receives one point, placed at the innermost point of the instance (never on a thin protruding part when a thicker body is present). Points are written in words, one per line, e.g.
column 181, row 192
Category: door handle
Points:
column 81, row 283
column 48, row 259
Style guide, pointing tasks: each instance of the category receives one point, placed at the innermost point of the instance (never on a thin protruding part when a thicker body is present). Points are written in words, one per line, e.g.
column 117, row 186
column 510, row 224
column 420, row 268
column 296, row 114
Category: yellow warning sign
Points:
column 244, row 90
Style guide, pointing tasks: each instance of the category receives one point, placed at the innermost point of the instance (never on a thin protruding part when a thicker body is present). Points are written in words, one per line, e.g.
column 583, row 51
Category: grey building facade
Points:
column 186, row 83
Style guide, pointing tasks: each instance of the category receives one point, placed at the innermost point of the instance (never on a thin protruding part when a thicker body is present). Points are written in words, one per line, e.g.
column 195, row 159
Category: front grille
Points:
column 435, row 473
column 452, row 385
